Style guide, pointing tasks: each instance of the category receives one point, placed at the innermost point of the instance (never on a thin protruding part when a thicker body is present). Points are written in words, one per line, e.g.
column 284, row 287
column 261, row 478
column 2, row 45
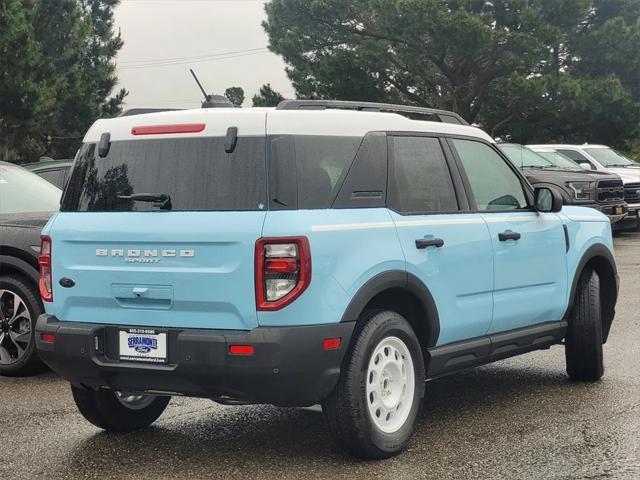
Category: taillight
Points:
column 44, row 260
column 283, row 271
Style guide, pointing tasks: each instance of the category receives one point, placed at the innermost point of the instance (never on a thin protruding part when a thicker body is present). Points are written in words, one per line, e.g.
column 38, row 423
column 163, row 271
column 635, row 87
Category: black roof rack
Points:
column 409, row 111
column 142, row 111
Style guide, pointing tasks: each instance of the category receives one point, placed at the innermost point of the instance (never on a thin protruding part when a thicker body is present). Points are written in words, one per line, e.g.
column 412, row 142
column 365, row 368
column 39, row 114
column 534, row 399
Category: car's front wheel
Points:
column 583, row 349
column 115, row 411
column 372, row 412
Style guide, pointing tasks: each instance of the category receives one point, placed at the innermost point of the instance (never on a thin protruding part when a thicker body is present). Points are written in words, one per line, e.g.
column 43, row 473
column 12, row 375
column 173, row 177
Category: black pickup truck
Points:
column 586, row 188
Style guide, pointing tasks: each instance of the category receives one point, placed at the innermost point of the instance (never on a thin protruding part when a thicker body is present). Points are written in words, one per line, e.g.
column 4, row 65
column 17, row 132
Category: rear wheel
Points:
column 118, row 411
column 583, row 350
column 19, row 309
column 372, row 412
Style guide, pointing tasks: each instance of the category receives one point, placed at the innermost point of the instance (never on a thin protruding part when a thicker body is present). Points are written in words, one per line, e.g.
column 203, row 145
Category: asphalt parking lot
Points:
column 519, row 418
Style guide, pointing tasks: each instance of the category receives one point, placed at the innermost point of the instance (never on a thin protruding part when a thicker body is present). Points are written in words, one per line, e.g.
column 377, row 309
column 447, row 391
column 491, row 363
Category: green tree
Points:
column 425, row 52
column 585, row 87
column 20, row 91
column 235, row 95
column 266, row 97
column 524, row 69
column 74, row 44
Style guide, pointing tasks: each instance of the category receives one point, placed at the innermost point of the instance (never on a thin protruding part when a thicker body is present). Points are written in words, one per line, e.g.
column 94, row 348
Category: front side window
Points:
column 22, row 191
column 419, row 181
column 495, row 186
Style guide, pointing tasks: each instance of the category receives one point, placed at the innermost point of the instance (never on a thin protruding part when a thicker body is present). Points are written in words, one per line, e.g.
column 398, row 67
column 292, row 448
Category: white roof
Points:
column 565, row 145
column 258, row 121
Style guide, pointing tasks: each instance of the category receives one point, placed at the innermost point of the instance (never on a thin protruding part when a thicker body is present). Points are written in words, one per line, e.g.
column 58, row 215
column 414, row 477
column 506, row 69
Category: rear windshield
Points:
column 196, row 173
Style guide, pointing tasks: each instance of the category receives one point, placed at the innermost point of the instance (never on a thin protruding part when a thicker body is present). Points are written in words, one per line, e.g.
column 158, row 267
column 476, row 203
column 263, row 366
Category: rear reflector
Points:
column 168, row 129
column 48, row 338
column 241, row 349
column 331, row 343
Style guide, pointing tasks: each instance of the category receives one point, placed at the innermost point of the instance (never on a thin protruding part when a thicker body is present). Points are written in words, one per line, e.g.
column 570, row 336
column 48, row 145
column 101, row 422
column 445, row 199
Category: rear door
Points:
column 135, row 263
column 447, row 248
column 530, row 279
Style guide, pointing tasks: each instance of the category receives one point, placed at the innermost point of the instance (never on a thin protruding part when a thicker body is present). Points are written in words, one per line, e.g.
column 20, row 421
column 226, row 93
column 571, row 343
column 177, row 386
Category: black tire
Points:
column 346, row 410
column 583, row 349
column 103, row 409
column 21, row 361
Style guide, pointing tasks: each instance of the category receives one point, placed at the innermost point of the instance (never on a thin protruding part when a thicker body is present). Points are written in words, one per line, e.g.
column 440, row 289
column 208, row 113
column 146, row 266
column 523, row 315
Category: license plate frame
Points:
column 143, row 345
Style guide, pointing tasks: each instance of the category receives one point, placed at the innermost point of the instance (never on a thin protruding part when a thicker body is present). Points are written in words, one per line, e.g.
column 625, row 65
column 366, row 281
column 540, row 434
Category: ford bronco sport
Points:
column 319, row 252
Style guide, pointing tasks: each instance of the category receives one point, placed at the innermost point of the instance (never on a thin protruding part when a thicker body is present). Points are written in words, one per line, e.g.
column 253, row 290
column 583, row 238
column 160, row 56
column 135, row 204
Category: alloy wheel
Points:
column 15, row 327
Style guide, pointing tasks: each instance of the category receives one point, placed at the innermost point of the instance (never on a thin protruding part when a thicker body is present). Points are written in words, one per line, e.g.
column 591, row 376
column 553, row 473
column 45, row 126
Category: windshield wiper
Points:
column 160, row 200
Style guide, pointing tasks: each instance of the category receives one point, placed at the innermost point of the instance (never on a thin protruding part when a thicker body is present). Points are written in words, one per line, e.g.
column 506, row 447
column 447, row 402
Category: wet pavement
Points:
column 518, row 418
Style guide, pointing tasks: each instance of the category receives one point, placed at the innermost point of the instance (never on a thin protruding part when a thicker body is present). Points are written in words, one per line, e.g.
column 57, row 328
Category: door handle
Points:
column 508, row 235
column 432, row 242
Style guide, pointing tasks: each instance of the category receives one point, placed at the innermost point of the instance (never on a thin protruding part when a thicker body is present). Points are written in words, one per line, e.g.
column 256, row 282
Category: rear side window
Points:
column 573, row 155
column 307, row 171
column 494, row 184
column 419, row 180
column 55, row 176
column 577, row 157
column 196, row 173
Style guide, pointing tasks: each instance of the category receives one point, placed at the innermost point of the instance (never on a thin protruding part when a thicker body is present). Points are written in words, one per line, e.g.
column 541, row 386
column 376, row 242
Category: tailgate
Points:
column 163, row 269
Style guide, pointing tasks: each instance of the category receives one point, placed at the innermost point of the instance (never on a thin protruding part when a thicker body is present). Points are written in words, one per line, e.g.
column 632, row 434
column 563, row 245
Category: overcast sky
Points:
column 222, row 40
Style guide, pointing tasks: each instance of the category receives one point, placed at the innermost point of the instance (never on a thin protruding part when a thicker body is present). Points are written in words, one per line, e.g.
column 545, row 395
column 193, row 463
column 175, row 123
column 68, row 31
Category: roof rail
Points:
column 444, row 116
column 142, row 111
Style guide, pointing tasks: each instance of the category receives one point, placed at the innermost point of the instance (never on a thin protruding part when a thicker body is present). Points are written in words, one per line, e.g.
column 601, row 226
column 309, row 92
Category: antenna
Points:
column 206, row 97
column 212, row 101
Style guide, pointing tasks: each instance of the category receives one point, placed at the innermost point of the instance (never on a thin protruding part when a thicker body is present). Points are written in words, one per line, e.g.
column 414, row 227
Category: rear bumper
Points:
column 289, row 366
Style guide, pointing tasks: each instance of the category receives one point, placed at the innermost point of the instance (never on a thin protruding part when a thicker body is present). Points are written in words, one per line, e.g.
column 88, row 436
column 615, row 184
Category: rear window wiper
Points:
column 160, row 200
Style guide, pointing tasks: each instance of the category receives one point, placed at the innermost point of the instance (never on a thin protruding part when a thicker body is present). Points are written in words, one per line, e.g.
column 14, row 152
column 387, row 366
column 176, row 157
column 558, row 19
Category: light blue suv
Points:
column 319, row 252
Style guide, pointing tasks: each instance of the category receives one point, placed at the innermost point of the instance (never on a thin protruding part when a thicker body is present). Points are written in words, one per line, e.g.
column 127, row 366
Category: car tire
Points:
column 20, row 307
column 373, row 410
column 116, row 412
column 583, row 349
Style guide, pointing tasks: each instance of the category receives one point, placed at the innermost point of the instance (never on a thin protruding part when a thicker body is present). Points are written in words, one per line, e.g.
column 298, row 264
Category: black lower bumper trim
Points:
column 289, row 366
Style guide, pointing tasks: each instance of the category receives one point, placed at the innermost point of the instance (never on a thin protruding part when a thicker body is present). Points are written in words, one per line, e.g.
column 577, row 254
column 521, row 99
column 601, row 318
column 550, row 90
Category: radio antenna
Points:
column 207, row 98
column 212, row 101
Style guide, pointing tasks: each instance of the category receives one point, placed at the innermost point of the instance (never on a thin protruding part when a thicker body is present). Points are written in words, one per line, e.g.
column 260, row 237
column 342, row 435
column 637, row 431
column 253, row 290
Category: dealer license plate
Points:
column 143, row 345
column 618, row 210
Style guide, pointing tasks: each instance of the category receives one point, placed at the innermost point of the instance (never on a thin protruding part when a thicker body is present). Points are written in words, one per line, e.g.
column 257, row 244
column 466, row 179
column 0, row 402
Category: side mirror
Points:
column 547, row 200
column 585, row 165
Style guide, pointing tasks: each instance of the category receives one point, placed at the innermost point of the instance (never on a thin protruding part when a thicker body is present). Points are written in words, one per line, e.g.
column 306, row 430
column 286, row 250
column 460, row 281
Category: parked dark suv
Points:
column 26, row 203
column 600, row 190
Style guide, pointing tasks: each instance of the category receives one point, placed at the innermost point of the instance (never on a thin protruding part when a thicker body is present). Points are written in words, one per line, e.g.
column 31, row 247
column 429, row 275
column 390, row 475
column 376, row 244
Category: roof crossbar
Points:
column 444, row 116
